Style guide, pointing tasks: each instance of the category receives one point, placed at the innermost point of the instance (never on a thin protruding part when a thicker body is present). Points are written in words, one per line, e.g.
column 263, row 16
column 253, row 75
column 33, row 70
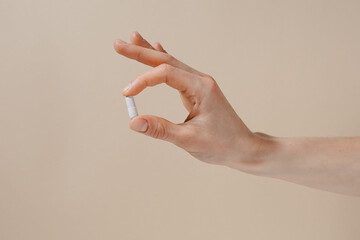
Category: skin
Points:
column 214, row 133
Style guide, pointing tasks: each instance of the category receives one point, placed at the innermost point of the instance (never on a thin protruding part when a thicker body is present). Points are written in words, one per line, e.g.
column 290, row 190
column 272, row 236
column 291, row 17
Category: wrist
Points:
column 263, row 155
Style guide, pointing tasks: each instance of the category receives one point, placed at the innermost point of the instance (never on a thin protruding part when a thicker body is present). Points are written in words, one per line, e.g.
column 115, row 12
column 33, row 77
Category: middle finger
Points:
column 137, row 39
column 150, row 57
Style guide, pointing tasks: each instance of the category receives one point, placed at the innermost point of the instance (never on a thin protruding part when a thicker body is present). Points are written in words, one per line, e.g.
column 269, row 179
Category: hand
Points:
column 212, row 132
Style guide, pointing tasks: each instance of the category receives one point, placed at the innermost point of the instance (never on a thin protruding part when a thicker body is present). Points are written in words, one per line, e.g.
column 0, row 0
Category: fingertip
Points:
column 156, row 46
column 117, row 45
column 159, row 47
column 138, row 124
column 125, row 91
column 119, row 42
column 135, row 35
column 128, row 93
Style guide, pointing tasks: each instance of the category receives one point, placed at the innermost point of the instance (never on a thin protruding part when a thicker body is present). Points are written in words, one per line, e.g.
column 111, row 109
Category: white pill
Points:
column 130, row 103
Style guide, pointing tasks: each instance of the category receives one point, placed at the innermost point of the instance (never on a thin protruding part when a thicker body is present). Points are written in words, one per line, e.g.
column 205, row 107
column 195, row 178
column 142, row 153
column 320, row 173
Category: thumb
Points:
column 156, row 127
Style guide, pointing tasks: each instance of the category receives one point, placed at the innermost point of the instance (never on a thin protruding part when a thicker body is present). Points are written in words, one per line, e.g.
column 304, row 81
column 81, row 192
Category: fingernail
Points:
column 119, row 41
column 138, row 124
column 127, row 88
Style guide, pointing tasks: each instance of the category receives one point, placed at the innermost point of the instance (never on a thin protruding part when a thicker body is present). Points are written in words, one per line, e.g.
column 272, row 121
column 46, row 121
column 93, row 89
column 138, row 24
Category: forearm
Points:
column 331, row 164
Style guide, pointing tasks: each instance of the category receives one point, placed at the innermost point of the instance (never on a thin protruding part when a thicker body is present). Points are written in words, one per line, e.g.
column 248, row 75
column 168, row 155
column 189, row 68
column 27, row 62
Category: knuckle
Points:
column 166, row 67
column 186, row 135
column 210, row 83
column 190, row 140
column 138, row 56
column 169, row 58
column 158, row 131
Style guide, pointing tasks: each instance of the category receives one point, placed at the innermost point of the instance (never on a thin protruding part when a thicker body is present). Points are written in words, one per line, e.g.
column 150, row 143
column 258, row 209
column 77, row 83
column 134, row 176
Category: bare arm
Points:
column 331, row 164
column 214, row 133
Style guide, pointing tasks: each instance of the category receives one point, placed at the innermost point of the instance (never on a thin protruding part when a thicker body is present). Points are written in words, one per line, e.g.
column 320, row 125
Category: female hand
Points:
column 212, row 132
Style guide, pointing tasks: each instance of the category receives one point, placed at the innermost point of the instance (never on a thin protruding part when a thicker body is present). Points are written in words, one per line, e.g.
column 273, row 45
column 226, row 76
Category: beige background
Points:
column 71, row 169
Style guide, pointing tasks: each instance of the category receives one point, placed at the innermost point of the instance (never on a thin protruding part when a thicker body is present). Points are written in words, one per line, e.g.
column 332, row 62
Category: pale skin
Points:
column 214, row 133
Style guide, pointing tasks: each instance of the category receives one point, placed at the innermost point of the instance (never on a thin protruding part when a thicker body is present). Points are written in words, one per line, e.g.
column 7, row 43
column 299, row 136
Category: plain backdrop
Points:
column 70, row 168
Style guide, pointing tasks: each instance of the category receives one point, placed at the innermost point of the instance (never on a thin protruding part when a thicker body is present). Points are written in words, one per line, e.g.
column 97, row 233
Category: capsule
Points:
column 130, row 103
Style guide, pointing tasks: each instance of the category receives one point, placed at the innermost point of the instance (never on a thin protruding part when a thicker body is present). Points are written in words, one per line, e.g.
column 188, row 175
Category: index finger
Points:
column 149, row 56
column 181, row 80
